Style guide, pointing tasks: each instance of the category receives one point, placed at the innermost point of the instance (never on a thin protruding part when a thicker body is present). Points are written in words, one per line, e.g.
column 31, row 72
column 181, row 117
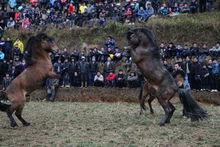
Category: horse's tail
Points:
column 191, row 108
column 142, row 105
column 5, row 103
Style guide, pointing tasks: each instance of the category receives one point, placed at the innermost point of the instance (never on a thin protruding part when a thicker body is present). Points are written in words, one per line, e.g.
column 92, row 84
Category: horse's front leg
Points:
column 18, row 114
column 11, row 118
column 53, row 75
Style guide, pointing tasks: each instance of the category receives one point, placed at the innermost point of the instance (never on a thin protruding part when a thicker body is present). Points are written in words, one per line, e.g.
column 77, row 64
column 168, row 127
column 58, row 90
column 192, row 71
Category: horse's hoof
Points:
column 13, row 125
column 162, row 124
column 26, row 124
column 167, row 122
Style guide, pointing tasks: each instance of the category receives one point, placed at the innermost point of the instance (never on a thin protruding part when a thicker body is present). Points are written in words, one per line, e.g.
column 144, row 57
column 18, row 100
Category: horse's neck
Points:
column 42, row 59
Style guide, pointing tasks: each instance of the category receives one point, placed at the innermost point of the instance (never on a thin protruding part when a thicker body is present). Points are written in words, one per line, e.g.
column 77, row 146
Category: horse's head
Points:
column 46, row 43
column 141, row 37
column 37, row 47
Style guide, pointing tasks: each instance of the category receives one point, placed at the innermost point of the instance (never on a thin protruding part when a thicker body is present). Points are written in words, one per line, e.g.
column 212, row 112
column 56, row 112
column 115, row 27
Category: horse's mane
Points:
column 152, row 38
column 32, row 45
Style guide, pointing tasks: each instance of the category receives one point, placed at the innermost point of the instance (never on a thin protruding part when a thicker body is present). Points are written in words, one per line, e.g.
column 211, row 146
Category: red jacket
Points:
column 111, row 77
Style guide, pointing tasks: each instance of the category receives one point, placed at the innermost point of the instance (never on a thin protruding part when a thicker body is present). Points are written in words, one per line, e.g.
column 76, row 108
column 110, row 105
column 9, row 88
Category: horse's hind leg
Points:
column 171, row 112
column 18, row 114
column 149, row 103
column 11, row 118
column 142, row 104
column 166, row 109
column 167, row 106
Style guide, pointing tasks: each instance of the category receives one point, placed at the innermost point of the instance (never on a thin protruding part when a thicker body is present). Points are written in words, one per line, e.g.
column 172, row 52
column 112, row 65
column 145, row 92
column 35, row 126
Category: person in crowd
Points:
column 216, row 76
column 108, row 66
column 187, row 67
column 110, row 42
column 205, row 78
column 83, row 66
column 76, row 80
column 110, row 79
column 132, row 80
column 193, row 6
column 10, row 23
column 99, row 80
column 149, row 9
column 180, row 77
column 73, row 67
column 164, row 11
column 65, row 74
column 194, row 49
column 196, row 74
column 19, row 44
column 2, row 55
column 92, row 70
column 6, row 81
column 120, row 79
column 51, row 88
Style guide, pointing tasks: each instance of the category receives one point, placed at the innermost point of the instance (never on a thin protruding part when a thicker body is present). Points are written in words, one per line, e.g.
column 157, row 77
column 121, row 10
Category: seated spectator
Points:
column 132, row 80
column 149, row 9
column 110, row 79
column 120, row 79
column 193, row 6
column 184, row 8
column 11, row 23
column 164, row 11
column 12, row 3
column 71, row 9
column 26, row 23
column 175, row 10
column 129, row 15
column 99, row 80
column 142, row 15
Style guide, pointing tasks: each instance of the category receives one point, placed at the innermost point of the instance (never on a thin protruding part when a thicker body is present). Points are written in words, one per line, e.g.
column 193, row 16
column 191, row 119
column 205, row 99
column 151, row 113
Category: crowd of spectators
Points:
column 111, row 66
column 29, row 14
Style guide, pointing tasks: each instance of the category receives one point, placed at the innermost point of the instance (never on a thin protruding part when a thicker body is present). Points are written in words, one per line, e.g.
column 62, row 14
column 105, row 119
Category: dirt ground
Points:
column 107, row 124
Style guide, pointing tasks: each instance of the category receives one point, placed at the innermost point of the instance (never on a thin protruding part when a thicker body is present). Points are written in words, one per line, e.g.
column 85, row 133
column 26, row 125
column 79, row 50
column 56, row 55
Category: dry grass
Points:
column 105, row 124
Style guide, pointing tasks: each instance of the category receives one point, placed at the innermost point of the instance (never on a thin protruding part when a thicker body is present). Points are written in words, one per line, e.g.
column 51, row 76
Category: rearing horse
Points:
column 146, row 54
column 39, row 67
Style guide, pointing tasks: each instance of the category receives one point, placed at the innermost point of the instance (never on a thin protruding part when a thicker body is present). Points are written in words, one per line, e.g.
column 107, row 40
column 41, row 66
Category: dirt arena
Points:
column 107, row 124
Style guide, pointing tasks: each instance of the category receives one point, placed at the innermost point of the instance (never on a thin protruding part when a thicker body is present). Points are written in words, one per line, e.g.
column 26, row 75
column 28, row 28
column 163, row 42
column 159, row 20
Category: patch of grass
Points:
column 107, row 124
column 186, row 28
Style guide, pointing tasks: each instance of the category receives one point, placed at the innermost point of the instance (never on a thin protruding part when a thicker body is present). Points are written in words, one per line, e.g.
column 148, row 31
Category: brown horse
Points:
column 39, row 67
column 146, row 54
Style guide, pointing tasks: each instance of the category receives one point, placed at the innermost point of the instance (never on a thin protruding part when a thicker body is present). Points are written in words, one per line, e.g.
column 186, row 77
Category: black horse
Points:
column 146, row 54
